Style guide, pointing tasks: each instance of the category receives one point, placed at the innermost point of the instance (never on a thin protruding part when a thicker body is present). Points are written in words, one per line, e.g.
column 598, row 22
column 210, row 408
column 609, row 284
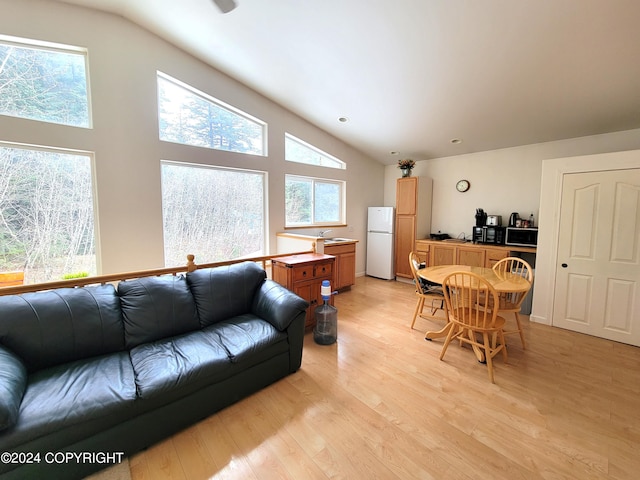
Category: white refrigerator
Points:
column 380, row 243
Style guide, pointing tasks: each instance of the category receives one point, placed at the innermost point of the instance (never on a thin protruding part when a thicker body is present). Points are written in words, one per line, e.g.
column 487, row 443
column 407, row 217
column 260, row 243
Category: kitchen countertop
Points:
column 315, row 238
column 469, row 243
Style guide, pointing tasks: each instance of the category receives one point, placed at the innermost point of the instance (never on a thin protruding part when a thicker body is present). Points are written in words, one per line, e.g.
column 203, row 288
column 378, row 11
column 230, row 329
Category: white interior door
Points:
column 598, row 271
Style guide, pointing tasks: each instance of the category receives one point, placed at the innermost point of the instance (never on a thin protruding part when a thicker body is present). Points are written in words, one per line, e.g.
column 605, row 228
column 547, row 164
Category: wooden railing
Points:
column 116, row 277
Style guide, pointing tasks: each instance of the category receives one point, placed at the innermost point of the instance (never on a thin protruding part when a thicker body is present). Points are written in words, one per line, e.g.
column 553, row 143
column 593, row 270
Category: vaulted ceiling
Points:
column 411, row 76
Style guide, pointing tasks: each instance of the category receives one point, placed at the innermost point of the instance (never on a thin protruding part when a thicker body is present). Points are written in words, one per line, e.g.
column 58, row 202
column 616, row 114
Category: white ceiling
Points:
column 411, row 75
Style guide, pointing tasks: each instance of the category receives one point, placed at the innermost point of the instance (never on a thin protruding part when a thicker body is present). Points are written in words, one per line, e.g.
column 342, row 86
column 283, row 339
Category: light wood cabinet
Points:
column 442, row 254
column 422, row 249
column 345, row 265
column 468, row 255
column 476, row 255
column 405, row 237
column 413, row 218
column 407, row 196
column 494, row 255
column 303, row 275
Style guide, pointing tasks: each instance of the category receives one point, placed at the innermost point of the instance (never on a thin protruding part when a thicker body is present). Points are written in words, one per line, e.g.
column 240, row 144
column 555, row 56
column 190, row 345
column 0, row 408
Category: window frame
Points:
column 33, row 44
column 218, row 103
column 90, row 157
column 265, row 199
column 342, row 221
column 301, row 143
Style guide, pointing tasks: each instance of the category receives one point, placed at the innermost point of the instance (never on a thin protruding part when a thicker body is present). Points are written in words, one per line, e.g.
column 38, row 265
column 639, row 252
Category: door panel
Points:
column 620, row 299
column 598, row 272
column 579, row 289
column 584, row 231
column 625, row 244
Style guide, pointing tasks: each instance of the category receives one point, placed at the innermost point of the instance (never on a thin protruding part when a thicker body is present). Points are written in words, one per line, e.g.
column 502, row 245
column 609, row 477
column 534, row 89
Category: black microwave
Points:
column 521, row 237
column 489, row 234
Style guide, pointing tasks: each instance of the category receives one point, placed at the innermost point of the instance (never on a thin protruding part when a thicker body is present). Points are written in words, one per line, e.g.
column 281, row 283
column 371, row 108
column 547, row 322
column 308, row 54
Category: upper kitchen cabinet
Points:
column 413, row 218
column 407, row 195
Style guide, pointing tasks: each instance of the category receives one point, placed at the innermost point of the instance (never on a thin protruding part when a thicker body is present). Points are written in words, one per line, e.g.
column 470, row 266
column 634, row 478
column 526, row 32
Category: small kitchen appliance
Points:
column 489, row 234
column 481, row 217
column 522, row 237
column 494, row 220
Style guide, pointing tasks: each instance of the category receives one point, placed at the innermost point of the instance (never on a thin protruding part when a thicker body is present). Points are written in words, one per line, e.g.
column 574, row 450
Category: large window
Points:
column 43, row 81
column 191, row 117
column 46, row 213
column 299, row 151
column 313, row 201
column 216, row 214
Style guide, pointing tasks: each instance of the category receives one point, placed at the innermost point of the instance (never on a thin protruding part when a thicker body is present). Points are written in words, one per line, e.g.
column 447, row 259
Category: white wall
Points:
column 123, row 60
column 502, row 181
column 123, row 63
column 512, row 179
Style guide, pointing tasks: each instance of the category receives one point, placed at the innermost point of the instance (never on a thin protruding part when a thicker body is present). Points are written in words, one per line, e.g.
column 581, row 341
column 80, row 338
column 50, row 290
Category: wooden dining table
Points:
column 503, row 283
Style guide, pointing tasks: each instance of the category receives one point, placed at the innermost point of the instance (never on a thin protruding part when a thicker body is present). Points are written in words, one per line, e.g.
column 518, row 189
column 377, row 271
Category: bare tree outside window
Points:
column 43, row 84
column 216, row 214
column 46, row 214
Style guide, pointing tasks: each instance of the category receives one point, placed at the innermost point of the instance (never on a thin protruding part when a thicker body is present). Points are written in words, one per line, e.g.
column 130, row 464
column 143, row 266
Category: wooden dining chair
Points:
column 512, row 302
column 425, row 291
column 468, row 297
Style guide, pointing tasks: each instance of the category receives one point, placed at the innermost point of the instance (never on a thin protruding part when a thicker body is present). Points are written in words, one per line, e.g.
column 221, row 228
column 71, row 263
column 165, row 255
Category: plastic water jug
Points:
column 326, row 330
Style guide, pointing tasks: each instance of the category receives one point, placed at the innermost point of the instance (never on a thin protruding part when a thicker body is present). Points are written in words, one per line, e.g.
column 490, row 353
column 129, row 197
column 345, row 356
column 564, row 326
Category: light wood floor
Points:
column 379, row 404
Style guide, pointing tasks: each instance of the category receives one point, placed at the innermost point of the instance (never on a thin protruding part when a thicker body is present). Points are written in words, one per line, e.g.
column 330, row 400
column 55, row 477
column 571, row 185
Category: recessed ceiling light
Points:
column 343, row 119
column 456, row 141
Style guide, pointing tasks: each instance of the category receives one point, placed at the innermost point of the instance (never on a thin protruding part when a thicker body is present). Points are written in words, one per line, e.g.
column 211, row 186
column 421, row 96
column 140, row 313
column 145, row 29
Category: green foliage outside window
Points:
column 43, row 84
column 298, row 201
column 191, row 118
column 311, row 201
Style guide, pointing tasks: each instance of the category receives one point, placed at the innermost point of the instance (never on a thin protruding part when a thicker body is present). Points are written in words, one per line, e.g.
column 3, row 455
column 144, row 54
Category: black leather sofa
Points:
column 100, row 370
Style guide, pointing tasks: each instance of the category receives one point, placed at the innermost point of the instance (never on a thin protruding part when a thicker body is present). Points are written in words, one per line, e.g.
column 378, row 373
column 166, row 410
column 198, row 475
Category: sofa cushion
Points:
column 155, row 308
column 225, row 292
column 247, row 336
column 174, row 363
column 59, row 326
column 13, row 381
column 278, row 305
column 66, row 395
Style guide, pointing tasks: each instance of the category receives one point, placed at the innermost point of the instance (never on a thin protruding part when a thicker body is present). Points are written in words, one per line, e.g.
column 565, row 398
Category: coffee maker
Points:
column 488, row 232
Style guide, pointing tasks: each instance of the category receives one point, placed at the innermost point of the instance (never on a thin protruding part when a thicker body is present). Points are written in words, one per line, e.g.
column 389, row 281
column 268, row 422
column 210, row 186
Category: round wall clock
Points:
column 463, row 185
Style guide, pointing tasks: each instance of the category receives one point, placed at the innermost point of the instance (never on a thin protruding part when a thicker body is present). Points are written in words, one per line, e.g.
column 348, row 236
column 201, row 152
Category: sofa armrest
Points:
column 13, row 382
column 277, row 305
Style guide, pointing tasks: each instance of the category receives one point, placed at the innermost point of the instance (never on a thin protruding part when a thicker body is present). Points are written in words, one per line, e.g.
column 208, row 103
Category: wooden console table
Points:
column 303, row 275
